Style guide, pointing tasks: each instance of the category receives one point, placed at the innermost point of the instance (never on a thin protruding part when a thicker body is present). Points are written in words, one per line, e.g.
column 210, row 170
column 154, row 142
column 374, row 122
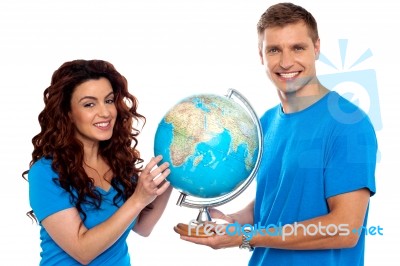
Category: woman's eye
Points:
column 88, row 105
column 110, row 101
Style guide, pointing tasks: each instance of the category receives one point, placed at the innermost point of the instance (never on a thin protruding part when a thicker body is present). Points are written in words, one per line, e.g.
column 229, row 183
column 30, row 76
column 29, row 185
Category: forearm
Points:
column 85, row 244
column 325, row 232
column 148, row 190
column 102, row 236
column 149, row 218
column 330, row 231
column 66, row 227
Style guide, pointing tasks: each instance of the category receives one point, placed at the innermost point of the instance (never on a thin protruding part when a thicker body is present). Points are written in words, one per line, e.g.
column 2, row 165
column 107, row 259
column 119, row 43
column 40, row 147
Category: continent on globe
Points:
column 211, row 143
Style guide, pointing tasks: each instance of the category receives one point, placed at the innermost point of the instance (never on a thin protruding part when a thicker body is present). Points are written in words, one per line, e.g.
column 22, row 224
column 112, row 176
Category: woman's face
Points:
column 93, row 112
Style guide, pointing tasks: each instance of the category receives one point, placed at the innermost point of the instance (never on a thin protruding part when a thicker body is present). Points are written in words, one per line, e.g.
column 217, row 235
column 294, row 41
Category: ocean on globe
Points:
column 211, row 144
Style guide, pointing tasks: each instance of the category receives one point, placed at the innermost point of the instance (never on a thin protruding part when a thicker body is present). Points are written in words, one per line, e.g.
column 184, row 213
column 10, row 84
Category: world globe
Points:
column 211, row 143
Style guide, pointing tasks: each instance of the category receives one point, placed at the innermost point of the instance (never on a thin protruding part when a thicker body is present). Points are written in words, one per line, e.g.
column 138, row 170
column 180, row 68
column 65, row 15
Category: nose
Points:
column 103, row 110
column 286, row 60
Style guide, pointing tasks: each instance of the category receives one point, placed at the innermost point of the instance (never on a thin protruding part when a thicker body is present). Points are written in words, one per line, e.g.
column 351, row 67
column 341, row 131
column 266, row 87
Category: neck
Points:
column 91, row 154
column 299, row 100
column 96, row 168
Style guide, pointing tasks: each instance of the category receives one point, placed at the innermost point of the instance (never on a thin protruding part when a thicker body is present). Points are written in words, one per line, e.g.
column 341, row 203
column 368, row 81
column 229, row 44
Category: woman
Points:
column 86, row 187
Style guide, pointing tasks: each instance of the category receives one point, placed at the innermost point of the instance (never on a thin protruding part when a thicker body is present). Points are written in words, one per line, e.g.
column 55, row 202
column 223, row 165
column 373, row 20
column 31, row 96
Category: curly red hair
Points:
column 56, row 139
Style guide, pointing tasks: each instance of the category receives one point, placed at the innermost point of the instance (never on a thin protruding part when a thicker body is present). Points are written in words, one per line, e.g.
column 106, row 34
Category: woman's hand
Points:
column 151, row 182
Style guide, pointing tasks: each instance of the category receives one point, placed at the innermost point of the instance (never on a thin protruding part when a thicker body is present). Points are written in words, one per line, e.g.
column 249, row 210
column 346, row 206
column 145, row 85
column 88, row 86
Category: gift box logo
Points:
column 359, row 87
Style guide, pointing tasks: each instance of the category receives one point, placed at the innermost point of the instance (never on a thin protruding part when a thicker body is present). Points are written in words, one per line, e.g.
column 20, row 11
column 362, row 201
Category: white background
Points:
column 169, row 50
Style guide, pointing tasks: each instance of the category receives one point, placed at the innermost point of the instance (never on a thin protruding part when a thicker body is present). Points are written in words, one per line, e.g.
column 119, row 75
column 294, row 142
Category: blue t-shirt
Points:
column 324, row 150
column 47, row 197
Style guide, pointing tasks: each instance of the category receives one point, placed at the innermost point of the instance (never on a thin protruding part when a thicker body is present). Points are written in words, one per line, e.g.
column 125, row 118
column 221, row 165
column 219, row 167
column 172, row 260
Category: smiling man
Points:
column 318, row 168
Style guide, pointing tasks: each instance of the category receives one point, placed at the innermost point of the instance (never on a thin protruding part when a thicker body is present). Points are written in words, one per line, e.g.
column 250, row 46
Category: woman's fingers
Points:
column 162, row 188
column 161, row 176
column 153, row 176
column 153, row 162
column 152, row 170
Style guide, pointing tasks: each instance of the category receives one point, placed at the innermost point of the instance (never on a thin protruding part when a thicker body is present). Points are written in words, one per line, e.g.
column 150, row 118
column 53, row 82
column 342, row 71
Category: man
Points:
column 317, row 171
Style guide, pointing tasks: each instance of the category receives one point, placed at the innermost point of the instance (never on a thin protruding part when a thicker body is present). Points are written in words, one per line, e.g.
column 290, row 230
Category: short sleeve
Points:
column 46, row 196
column 352, row 159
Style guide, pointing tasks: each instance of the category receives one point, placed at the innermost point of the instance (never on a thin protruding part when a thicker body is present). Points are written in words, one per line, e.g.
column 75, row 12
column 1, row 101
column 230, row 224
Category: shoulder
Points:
column 355, row 121
column 42, row 168
column 46, row 196
column 270, row 113
column 345, row 112
column 268, row 116
column 345, row 118
column 42, row 163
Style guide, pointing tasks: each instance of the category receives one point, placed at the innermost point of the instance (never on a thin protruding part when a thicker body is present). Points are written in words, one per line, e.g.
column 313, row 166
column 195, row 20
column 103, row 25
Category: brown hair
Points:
column 282, row 14
column 56, row 139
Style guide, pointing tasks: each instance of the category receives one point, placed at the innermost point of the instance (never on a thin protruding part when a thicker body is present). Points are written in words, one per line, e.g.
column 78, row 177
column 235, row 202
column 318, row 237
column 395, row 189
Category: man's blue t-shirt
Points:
column 47, row 197
column 324, row 150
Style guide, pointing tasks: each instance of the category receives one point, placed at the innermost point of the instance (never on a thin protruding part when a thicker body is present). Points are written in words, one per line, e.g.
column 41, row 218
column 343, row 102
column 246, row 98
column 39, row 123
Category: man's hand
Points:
column 220, row 239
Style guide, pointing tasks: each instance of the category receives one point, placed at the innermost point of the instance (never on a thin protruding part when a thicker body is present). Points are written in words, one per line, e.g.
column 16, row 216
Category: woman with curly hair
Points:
column 87, row 189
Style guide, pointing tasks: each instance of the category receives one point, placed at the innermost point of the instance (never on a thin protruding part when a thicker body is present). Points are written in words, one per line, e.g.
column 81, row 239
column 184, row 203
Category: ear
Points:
column 317, row 47
column 260, row 54
column 70, row 117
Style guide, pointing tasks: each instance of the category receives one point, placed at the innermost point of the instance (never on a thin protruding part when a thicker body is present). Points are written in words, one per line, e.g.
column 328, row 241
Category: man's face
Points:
column 288, row 55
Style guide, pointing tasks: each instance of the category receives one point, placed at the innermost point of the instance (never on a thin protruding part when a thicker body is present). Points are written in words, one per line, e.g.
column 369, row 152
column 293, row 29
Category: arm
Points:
column 348, row 209
column 68, row 231
column 148, row 218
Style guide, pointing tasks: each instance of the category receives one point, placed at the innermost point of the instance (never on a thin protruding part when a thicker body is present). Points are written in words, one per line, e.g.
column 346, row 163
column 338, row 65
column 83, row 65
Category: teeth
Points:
column 102, row 124
column 288, row 75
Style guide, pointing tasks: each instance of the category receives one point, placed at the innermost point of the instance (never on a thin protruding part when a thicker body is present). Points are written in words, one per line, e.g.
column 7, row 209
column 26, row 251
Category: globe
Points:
column 211, row 144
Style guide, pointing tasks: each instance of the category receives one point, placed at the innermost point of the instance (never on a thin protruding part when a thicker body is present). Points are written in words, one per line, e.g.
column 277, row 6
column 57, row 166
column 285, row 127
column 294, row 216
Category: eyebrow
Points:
column 296, row 44
column 94, row 98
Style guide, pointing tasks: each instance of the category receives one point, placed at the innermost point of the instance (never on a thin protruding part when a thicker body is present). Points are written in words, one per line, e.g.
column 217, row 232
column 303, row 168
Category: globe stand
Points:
column 198, row 227
column 194, row 228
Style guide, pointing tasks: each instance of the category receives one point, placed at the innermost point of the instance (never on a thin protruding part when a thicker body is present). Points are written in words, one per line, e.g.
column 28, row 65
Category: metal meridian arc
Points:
column 186, row 201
